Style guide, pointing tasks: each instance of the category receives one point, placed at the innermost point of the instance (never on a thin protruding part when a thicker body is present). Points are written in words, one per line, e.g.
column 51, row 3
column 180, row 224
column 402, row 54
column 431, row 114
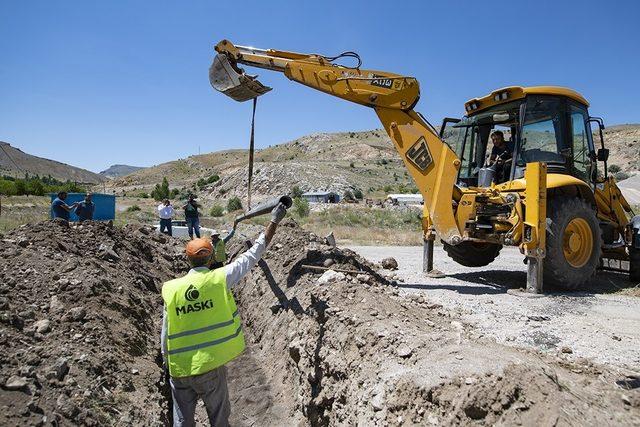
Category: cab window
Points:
column 581, row 143
column 542, row 137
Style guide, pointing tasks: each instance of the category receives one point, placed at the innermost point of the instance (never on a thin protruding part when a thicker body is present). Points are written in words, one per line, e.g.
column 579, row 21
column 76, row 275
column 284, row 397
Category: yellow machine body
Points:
column 507, row 213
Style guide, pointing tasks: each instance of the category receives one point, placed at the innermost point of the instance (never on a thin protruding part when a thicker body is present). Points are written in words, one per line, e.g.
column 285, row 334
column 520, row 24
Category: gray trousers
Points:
column 211, row 387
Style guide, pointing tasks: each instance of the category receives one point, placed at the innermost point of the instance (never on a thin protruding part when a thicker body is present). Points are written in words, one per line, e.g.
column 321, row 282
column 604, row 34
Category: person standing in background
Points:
column 219, row 248
column 192, row 216
column 59, row 208
column 166, row 212
column 86, row 208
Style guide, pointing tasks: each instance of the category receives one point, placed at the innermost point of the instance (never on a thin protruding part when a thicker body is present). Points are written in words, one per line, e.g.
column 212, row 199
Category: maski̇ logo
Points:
column 192, row 293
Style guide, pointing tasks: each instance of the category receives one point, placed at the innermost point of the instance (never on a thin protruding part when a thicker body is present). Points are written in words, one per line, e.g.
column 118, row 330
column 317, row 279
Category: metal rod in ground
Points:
column 427, row 255
column 341, row 270
column 534, row 275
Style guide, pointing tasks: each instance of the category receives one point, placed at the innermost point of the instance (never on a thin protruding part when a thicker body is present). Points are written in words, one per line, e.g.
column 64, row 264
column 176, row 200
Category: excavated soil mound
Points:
column 348, row 349
column 79, row 323
column 79, row 328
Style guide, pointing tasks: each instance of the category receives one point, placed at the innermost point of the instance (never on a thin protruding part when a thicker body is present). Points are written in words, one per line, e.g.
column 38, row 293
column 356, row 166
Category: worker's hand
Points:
column 278, row 213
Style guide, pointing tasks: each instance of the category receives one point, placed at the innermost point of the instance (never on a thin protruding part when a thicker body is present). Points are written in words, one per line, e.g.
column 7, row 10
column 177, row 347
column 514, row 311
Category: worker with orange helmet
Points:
column 201, row 328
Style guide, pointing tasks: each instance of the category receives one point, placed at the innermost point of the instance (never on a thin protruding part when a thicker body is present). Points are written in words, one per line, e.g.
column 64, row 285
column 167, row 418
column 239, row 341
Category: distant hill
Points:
column 115, row 171
column 324, row 161
column 14, row 161
column 623, row 142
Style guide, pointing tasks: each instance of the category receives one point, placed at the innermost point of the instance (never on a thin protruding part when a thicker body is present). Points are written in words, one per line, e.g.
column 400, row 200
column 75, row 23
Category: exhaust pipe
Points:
column 228, row 78
column 265, row 207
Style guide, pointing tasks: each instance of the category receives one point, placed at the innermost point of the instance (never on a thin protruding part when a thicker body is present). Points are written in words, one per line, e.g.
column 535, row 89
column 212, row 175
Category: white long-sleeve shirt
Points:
column 235, row 271
column 165, row 212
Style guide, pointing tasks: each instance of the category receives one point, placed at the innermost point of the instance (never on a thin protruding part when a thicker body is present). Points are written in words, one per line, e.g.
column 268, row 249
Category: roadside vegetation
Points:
column 35, row 185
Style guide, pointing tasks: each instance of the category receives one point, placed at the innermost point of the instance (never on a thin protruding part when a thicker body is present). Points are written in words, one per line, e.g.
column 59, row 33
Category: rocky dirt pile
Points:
column 80, row 317
column 334, row 348
column 331, row 341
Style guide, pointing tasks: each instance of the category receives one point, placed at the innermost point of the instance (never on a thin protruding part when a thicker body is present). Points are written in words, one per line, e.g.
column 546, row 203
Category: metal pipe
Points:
column 265, row 207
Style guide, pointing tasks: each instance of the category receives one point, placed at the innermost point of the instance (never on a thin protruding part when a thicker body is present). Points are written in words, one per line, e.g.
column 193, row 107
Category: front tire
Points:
column 574, row 243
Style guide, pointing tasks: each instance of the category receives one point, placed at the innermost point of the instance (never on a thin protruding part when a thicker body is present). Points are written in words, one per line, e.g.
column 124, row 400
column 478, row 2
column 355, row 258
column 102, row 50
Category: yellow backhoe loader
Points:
column 548, row 192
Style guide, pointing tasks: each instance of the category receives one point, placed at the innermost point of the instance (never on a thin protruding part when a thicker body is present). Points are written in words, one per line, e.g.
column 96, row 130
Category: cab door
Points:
column 583, row 164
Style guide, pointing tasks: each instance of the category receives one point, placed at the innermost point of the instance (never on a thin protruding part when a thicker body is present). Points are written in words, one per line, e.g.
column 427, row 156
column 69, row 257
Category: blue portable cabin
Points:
column 105, row 205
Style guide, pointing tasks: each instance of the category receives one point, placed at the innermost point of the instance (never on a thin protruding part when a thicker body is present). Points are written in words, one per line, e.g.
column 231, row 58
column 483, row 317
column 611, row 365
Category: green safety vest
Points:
column 220, row 254
column 203, row 327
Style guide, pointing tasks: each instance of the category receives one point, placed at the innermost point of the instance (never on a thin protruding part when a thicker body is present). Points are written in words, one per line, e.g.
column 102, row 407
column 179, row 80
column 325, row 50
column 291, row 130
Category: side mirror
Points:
column 603, row 154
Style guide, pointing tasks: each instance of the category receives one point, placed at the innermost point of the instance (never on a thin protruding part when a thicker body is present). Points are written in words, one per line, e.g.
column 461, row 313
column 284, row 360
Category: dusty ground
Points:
column 79, row 325
column 597, row 322
column 358, row 351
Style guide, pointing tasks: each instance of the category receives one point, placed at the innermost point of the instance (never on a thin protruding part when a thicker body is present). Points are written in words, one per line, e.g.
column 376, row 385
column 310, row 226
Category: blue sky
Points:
column 96, row 83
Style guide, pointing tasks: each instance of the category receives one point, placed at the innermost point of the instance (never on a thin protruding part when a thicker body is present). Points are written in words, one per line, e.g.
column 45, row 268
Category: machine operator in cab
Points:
column 501, row 153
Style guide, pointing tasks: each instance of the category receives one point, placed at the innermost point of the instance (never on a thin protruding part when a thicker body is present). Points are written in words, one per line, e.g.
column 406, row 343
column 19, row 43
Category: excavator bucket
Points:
column 227, row 78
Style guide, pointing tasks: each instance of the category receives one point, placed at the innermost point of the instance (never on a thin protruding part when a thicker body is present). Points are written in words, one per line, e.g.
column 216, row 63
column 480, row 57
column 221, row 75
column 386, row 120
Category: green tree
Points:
column 357, row 193
column 216, row 211
column 614, row 168
column 234, row 204
column 161, row 191
column 36, row 187
column 21, row 188
column 296, row 192
column 7, row 187
column 301, row 207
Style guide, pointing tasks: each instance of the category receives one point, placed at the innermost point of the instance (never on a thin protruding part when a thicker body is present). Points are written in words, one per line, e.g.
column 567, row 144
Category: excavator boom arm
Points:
column 431, row 163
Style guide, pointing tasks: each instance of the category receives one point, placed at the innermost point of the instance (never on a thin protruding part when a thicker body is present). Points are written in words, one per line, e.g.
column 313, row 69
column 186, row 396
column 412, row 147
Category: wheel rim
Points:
column 577, row 242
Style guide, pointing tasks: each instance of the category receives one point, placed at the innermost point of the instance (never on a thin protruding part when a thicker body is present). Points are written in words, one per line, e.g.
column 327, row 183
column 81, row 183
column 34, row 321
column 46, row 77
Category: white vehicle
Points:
column 180, row 229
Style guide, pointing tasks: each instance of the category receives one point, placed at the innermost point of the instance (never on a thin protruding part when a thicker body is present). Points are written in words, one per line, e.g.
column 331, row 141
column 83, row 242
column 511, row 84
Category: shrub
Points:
column 161, row 191
column 133, row 208
column 301, row 207
column 352, row 165
column 348, row 195
column 143, row 195
column 357, row 193
column 296, row 192
column 387, row 188
column 620, row 176
column 216, row 211
column 234, row 204
column 614, row 168
column 212, row 179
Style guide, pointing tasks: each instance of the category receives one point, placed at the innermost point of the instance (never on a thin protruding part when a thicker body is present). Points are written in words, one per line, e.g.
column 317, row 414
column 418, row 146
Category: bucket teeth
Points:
column 234, row 83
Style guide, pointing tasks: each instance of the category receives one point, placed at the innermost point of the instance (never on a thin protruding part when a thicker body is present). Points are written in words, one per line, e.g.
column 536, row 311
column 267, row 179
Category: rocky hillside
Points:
column 324, row 161
column 115, row 171
column 15, row 161
column 335, row 161
column 623, row 142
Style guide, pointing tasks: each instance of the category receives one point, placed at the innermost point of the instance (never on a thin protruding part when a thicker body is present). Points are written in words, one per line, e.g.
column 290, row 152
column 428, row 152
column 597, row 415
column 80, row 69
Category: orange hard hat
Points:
column 199, row 248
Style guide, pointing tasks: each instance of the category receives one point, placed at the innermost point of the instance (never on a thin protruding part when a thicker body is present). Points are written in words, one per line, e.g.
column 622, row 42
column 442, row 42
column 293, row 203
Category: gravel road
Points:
column 593, row 323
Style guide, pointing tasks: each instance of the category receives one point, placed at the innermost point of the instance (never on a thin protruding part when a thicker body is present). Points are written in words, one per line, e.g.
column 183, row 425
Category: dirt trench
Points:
column 79, row 324
column 353, row 351
column 80, row 319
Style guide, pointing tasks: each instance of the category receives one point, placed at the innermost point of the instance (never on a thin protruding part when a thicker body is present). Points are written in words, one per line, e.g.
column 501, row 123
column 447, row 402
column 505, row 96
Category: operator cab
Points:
column 539, row 124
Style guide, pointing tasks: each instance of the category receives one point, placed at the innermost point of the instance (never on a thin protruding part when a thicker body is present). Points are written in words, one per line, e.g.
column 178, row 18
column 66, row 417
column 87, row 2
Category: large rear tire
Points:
column 574, row 243
column 473, row 254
